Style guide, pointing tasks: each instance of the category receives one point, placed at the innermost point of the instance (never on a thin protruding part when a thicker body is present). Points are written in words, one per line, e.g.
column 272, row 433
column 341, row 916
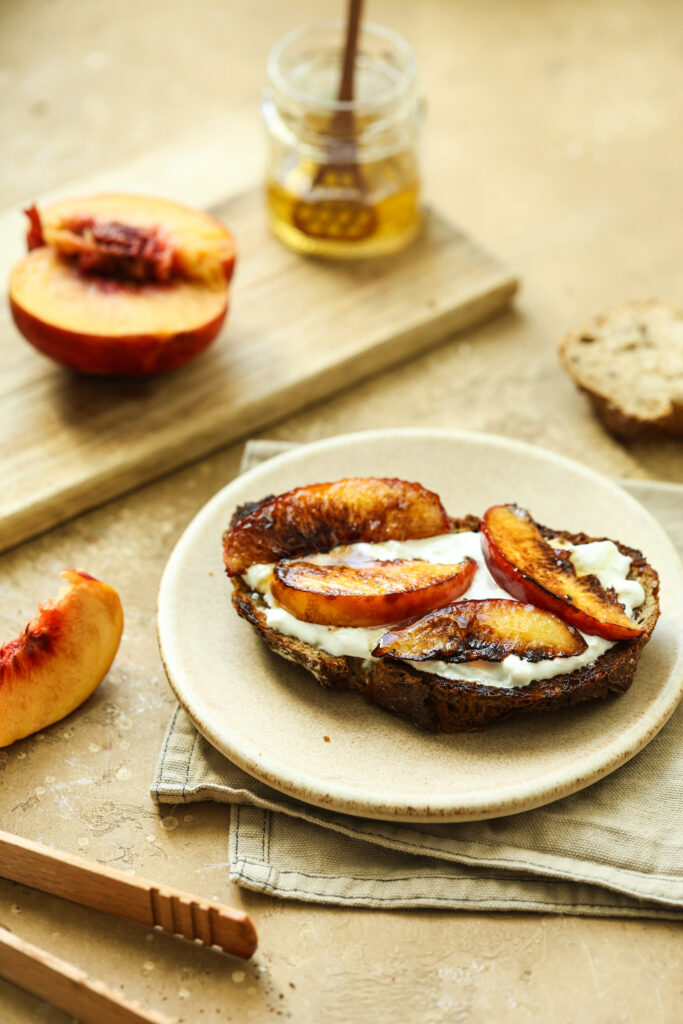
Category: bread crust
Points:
column 618, row 420
column 437, row 704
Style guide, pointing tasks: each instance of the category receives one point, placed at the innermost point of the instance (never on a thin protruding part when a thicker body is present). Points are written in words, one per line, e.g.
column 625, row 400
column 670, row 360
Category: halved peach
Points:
column 122, row 284
column 61, row 656
column 322, row 516
column 368, row 595
column 522, row 561
column 483, row 630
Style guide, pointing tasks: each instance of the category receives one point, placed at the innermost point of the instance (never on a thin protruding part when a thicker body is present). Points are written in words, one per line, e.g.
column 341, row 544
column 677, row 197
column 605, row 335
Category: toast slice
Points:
column 438, row 704
column 629, row 362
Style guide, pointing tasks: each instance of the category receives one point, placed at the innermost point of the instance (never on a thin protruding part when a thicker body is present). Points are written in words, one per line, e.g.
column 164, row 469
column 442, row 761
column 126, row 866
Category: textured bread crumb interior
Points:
column 633, row 356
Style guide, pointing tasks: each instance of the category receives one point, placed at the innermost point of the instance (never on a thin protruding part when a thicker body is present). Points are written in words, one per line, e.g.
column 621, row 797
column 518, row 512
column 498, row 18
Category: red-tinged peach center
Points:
column 116, row 250
column 34, row 232
column 136, row 238
column 18, row 655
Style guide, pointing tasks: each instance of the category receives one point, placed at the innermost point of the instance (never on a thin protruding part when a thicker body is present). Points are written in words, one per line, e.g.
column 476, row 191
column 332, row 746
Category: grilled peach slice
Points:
column 60, row 658
column 522, row 561
column 119, row 284
column 322, row 516
column 483, row 630
column 368, row 595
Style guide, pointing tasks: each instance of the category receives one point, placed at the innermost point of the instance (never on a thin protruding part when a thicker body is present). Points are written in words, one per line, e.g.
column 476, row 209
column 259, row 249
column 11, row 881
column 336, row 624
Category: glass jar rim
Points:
column 280, row 82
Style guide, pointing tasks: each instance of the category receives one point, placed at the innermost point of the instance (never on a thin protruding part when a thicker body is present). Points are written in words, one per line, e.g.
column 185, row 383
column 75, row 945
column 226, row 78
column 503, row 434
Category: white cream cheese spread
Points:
column 601, row 558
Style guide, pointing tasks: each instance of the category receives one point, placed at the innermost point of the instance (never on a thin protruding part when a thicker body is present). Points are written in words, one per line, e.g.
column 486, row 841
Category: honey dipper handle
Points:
column 103, row 888
column 353, row 16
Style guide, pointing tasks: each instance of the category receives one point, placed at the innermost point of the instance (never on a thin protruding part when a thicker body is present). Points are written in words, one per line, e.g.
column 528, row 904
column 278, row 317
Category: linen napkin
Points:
column 614, row 849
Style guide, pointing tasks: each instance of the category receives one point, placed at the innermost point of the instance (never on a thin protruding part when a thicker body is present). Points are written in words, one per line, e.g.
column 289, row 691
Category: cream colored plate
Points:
column 272, row 718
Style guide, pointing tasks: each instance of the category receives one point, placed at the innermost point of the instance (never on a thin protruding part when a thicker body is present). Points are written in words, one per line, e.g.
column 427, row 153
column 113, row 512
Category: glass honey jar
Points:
column 342, row 176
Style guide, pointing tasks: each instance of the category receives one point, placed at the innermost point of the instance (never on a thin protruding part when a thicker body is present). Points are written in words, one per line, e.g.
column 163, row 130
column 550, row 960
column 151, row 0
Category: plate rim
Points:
column 331, row 797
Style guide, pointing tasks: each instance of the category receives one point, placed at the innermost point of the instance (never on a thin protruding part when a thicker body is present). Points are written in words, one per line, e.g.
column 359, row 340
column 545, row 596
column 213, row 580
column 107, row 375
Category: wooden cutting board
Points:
column 298, row 330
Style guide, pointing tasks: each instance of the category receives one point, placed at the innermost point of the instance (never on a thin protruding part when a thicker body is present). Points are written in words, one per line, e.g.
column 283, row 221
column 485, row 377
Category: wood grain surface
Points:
column 298, row 330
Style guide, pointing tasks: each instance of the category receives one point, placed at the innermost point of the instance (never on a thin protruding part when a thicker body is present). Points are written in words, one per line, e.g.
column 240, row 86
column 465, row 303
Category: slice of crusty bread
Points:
column 630, row 363
column 444, row 705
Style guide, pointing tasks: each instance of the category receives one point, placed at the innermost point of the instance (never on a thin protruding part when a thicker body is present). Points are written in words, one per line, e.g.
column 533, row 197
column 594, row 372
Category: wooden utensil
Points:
column 342, row 213
column 67, row 987
column 103, row 888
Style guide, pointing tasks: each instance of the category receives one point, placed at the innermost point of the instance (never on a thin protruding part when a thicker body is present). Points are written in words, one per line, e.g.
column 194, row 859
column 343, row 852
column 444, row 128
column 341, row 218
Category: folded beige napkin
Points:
column 614, row 849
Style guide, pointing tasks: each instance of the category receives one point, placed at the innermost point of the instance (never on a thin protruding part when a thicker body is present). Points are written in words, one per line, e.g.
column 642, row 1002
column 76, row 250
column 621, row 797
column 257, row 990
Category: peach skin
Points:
column 119, row 284
column 61, row 656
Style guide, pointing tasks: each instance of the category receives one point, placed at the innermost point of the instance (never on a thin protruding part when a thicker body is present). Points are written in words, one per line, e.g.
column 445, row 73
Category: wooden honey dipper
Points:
column 349, row 218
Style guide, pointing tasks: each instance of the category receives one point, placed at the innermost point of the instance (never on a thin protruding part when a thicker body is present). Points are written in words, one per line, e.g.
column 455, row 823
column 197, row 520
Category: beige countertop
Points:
column 554, row 138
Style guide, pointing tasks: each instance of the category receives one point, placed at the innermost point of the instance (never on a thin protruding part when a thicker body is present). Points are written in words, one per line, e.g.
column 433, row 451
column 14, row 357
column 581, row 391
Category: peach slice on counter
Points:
column 522, row 561
column 368, row 595
column 323, row 516
column 118, row 284
column 60, row 658
column 482, row 630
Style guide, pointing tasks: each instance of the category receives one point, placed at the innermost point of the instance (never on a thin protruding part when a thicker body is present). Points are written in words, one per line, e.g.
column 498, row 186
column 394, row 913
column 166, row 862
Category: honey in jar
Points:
column 342, row 177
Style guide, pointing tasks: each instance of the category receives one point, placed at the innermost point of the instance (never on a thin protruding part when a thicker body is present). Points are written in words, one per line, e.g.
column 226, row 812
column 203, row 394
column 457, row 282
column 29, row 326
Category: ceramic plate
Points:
column 271, row 717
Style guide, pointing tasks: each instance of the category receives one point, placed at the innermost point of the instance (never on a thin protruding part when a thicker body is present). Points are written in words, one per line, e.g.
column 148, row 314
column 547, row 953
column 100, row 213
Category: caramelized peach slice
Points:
column 522, row 561
column 368, row 595
column 322, row 516
column 484, row 630
column 122, row 284
column 60, row 658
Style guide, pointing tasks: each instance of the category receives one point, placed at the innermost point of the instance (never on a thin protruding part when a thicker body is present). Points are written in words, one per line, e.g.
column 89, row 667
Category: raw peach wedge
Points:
column 61, row 656
column 483, row 630
column 522, row 561
column 117, row 284
column 323, row 516
column 368, row 595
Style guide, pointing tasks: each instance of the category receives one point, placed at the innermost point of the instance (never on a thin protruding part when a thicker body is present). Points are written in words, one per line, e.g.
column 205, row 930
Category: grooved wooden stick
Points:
column 103, row 888
column 67, row 987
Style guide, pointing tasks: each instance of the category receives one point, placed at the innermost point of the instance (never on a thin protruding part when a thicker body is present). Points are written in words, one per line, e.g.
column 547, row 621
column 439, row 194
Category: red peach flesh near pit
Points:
column 122, row 284
column 120, row 251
